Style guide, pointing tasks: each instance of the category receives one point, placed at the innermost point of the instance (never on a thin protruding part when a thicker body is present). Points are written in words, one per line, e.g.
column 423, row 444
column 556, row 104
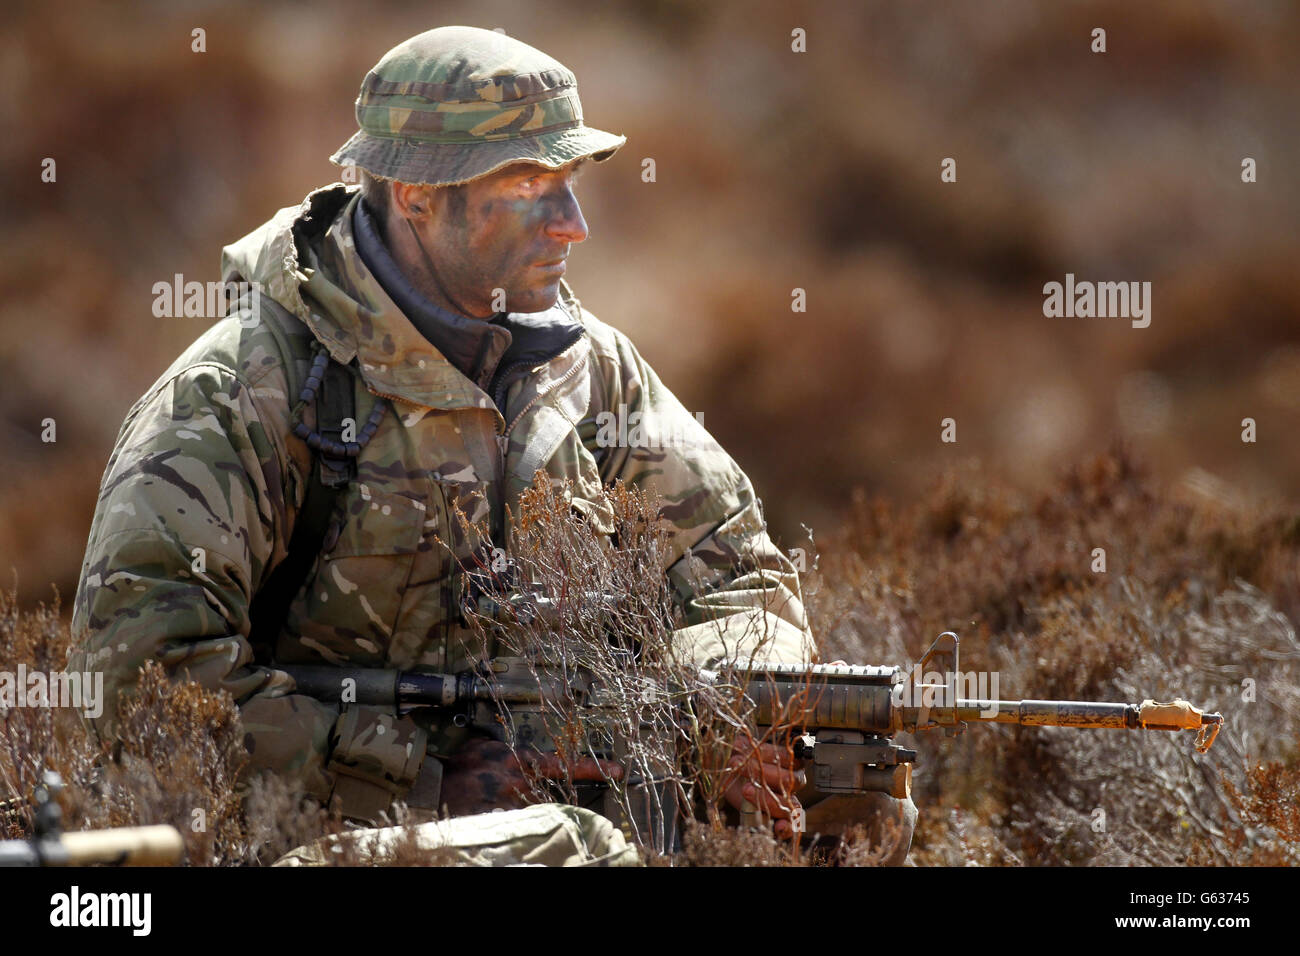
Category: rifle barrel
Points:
column 1049, row 713
column 1171, row 715
column 159, row 845
column 826, row 697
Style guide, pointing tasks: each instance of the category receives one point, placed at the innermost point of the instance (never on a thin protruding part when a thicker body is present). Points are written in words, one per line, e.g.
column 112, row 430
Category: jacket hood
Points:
column 272, row 257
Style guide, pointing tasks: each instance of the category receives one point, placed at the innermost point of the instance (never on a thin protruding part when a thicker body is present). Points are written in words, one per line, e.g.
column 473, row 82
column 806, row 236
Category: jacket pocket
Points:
column 377, row 523
column 349, row 611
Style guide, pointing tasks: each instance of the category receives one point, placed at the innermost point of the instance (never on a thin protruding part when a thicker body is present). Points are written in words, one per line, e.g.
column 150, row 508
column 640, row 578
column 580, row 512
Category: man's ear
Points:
column 411, row 201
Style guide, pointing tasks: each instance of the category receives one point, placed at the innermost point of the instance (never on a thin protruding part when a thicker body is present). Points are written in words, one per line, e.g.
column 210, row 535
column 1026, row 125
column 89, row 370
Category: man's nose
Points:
column 566, row 222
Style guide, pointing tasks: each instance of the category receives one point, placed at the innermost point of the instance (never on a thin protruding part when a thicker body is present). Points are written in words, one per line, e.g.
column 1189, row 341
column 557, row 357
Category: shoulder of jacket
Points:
column 257, row 348
column 610, row 346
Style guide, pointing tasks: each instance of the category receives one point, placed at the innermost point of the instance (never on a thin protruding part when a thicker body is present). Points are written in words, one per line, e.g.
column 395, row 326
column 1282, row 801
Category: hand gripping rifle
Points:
column 848, row 714
column 122, row 846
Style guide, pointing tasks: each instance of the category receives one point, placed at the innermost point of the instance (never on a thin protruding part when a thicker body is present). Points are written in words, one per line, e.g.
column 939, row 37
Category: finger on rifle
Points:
column 760, row 797
column 767, row 755
column 779, row 754
column 782, row 780
column 740, row 793
column 736, row 796
column 778, row 779
column 777, row 806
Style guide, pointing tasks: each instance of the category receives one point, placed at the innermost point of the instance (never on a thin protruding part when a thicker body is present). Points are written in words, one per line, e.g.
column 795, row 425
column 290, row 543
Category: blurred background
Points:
column 775, row 170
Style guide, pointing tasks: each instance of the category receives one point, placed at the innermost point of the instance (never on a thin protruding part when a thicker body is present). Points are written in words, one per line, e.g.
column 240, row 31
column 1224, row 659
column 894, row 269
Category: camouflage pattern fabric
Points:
column 201, row 493
column 548, row 834
column 457, row 103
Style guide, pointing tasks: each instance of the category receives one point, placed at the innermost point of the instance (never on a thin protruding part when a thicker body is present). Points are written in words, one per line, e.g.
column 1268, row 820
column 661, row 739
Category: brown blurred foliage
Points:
column 1270, row 805
column 775, row 170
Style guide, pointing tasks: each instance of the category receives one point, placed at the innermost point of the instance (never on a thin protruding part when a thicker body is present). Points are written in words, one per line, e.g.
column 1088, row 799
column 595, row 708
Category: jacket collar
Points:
column 306, row 258
column 473, row 346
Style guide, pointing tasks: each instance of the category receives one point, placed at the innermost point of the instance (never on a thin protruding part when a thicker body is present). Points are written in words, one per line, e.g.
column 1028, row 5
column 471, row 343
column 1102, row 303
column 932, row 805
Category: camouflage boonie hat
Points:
column 457, row 103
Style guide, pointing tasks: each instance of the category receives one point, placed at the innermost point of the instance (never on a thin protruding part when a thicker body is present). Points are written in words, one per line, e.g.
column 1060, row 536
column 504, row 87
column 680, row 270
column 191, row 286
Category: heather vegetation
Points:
column 1196, row 601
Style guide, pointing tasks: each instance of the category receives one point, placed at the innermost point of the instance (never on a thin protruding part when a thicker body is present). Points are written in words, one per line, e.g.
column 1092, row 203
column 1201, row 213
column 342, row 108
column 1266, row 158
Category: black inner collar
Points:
column 490, row 353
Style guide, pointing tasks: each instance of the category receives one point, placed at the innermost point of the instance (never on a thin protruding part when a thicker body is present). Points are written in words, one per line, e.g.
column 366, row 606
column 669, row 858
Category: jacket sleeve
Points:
column 740, row 593
column 191, row 509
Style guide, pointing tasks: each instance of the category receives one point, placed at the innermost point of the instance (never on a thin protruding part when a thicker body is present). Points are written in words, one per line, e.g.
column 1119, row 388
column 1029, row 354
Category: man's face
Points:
column 511, row 231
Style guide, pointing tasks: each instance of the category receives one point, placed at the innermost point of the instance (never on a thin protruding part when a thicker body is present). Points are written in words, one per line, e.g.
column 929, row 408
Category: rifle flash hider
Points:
column 1179, row 714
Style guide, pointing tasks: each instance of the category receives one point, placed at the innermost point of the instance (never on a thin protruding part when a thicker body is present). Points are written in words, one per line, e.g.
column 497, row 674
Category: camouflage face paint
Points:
column 510, row 231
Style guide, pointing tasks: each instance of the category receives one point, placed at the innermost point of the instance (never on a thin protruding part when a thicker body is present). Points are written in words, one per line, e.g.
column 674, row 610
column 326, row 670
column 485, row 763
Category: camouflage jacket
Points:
column 206, row 459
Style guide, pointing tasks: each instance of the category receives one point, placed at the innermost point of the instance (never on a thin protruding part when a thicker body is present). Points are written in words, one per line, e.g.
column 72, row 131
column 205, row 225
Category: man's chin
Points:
column 536, row 300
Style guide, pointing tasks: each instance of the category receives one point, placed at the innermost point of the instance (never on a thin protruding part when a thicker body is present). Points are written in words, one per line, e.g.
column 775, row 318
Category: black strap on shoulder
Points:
column 329, row 385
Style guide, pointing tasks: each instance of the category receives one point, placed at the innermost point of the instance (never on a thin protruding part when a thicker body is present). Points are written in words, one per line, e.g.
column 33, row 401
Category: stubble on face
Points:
column 502, row 232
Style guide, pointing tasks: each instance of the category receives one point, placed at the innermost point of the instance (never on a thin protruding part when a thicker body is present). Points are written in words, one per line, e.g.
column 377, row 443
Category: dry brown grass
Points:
column 710, row 845
column 1262, row 825
column 1197, row 601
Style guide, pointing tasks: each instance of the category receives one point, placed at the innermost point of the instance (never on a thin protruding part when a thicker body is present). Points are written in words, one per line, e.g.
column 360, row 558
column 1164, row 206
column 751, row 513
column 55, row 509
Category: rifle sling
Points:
column 269, row 609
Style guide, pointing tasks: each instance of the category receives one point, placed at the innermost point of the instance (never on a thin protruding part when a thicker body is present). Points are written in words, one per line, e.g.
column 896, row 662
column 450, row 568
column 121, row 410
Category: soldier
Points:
column 235, row 530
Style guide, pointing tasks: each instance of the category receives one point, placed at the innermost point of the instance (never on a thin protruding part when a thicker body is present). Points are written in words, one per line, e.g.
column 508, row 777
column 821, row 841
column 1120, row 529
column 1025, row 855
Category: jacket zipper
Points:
column 396, row 398
column 503, row 439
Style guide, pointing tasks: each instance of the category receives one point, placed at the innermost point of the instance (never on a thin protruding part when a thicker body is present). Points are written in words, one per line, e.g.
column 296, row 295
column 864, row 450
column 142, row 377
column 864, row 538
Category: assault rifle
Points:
column 848, row 714
column 122, row 846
